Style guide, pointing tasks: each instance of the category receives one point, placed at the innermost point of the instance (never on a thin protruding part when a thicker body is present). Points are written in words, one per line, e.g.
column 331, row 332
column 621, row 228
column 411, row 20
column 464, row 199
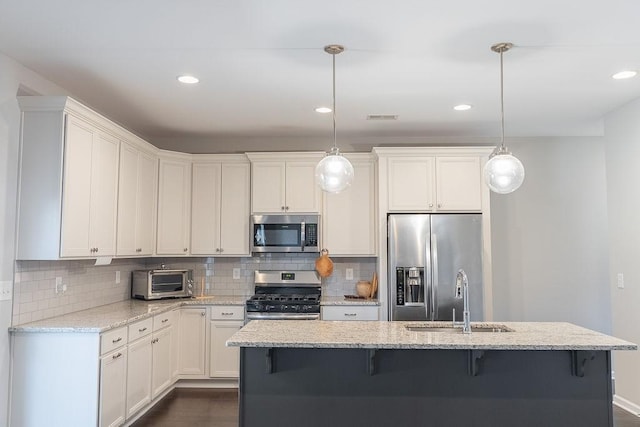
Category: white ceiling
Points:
column 263, row 69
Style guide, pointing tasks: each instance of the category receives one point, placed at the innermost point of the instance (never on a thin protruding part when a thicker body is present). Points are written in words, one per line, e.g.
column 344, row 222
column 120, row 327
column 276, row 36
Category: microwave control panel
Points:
column 311, row 235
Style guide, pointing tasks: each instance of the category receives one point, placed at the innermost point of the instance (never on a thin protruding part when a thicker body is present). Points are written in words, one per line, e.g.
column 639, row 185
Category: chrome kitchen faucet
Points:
column 462, row 291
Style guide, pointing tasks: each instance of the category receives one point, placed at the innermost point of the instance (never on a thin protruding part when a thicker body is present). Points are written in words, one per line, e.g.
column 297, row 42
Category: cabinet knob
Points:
column 282, row 208
column 203, row 314
column 439, row 205
column 217, row 249
column 286, row 208
column 430, row 205
column 96, row 249
column 221, row 250
column 185, row 249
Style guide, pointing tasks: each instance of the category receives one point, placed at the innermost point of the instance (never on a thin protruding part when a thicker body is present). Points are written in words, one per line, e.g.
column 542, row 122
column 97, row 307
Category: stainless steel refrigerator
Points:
column 425, row 253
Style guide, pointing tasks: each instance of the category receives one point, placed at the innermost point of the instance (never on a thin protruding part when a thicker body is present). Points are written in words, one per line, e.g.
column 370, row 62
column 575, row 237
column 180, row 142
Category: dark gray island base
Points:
column 320, row 373
column 344, row 387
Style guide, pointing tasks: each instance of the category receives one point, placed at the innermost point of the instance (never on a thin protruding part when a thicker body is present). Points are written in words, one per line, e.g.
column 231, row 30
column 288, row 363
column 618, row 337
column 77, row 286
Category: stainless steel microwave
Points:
column 157, row 284
column 285, row 233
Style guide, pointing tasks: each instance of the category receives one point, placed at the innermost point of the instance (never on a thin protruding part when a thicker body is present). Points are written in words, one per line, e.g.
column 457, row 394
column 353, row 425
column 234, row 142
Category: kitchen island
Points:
column 319, row 373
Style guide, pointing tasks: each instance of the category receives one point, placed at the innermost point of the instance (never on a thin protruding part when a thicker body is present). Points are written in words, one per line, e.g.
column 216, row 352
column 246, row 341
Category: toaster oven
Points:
column 158, row 284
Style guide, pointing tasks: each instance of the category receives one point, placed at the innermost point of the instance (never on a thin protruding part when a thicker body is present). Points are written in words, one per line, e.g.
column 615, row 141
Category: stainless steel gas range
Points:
column 285, row 295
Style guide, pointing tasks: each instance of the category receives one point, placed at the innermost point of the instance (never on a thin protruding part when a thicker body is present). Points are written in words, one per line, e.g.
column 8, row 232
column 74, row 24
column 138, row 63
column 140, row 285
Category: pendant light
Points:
column 503, row 172
column 334, row 173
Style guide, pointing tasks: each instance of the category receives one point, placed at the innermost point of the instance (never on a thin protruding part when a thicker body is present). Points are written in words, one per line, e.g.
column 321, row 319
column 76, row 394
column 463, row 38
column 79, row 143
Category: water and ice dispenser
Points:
column 410, row 286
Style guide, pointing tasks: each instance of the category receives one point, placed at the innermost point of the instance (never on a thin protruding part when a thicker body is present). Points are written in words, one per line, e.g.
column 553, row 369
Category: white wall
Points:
column 549, row 238
column 622, row 130
column 12, row 76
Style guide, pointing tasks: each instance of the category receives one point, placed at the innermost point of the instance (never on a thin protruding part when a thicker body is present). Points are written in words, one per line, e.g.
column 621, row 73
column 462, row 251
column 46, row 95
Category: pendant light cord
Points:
column 335, row 144
column 502, row 147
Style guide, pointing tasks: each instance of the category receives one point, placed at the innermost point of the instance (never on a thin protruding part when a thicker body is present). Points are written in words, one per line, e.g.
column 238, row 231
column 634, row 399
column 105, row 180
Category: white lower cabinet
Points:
column 224, row 362
column 192, row 347
column 139, row 375
column 350, row 312
column 113, row 382
column 161, row 377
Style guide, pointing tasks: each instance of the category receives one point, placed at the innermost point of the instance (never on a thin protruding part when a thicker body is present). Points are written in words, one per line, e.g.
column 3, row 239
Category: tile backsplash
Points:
column 88, row 285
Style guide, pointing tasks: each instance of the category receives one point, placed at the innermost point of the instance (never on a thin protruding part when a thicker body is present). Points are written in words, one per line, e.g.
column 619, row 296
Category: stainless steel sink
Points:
column 422, row 327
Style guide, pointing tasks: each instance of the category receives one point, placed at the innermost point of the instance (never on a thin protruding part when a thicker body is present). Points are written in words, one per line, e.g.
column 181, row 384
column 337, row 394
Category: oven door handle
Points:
column 282, row 316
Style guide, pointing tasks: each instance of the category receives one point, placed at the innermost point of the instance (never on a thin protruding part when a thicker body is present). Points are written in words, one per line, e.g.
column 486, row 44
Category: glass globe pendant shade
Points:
column 334, row 173
column 503, row 173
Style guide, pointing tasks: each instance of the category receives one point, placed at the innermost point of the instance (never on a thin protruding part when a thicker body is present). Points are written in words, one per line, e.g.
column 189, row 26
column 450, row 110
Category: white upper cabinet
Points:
column 220, row 205
column 459, row 183
column 284, row 183
column 349, row 217
column 450, row 180
column 137, row 191
column 174, row 204
column 68, row 180
column 90, row 191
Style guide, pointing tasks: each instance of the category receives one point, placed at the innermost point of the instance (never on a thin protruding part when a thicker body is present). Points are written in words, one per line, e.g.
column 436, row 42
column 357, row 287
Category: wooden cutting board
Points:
column 374, row 285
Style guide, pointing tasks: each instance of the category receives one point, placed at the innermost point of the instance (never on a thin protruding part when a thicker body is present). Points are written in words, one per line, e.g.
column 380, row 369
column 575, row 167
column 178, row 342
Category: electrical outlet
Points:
column 620, row 280
column 348, row 274
column 117, row 277
column 64, row 289
column 58, row 284
column 207, row 286
column 236, row 273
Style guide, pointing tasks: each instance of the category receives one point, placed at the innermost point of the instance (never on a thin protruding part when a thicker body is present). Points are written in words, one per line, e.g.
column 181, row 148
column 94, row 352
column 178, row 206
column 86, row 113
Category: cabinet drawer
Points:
column 350, row 312
column 227, row 312
column 164, row 319
column 111, row 340
column 140, row 329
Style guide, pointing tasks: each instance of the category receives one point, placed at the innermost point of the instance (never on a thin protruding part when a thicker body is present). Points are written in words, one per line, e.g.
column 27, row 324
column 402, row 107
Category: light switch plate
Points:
column 6, row 290
column 117, row 277
column 620, row 280
column 236, row 273
column 348, row 274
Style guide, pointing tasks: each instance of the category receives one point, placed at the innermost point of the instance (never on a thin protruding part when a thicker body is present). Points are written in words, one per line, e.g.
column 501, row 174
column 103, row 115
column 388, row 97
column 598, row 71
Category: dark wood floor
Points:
column 219, row 408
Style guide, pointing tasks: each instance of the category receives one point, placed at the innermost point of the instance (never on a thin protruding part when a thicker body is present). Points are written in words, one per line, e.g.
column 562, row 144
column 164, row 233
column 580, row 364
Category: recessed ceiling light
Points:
column 626, row 74
column 462, row 107
column 323, row 110
column 188, row 79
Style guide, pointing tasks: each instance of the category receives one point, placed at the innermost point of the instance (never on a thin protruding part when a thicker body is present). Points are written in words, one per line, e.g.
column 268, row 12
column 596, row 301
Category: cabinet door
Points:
column 348, row 218
column 205, row 209
column 104, row 194
column 127, row 201
column 146, row 203
column 139, row 375
column 302, row 193
column 174, row 201
column 459, row 184
column 234, row 209
column 113, row 383
column 224, row 361
column 161, row 361
column 411, row 183
column 191, row 357
column 268, row 187
column 76, row 194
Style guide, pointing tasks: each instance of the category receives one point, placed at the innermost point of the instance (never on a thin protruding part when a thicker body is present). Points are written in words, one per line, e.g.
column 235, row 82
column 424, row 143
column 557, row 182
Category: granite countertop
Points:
column 394, row 335
column 110, row 316
column 341, row 300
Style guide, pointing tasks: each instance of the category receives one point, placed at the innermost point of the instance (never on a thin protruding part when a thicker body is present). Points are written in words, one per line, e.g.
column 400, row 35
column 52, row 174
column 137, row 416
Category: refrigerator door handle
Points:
column 434, row 275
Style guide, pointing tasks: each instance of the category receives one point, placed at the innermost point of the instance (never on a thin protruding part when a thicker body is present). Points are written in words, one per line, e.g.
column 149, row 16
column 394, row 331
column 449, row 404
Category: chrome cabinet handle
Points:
column 143, row 329
column 165, row 321
column 226, row 314
column 115, row 356
column 153, row 341
column 185, row 249
column 118, row 340
column 350, row 314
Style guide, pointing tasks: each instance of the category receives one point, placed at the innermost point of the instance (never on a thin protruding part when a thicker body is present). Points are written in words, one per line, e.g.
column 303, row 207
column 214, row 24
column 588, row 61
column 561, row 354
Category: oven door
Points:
column 284, row 233
column 282, row 316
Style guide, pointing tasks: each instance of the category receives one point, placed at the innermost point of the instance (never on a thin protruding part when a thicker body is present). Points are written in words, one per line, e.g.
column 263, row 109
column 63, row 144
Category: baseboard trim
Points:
column 627, row 405
column 217, row 383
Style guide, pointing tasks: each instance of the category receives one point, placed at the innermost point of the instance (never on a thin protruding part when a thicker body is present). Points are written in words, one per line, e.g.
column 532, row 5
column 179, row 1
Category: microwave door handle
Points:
column 303, row 237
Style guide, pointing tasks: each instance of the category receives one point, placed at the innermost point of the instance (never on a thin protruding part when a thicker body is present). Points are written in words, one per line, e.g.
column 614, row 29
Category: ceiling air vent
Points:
column 382, row 117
